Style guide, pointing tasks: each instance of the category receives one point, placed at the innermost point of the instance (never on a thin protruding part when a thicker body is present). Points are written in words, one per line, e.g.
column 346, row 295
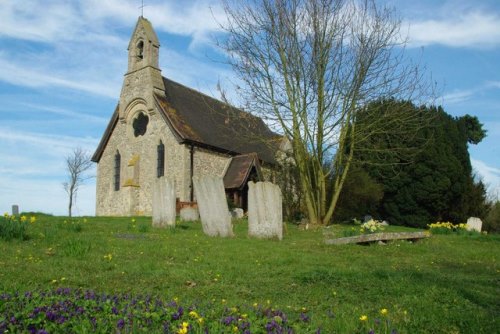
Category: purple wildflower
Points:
column 120, row 324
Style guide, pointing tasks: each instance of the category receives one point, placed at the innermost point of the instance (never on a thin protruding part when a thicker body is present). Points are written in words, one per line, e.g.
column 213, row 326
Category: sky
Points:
column 62, row 65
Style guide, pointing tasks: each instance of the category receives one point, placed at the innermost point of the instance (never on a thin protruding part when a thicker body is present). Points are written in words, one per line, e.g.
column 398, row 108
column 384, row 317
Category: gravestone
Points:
column 212, row 205
column 474, row 224
column 237, row 213
column 189, row 213
column 265, row 216
column 163, row 202
column 15, row 210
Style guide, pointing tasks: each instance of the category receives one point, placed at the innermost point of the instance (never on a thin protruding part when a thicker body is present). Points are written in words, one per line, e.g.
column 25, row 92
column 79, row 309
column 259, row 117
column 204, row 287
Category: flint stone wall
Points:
column 212, row 204
column 265, row 215
column 164, row 202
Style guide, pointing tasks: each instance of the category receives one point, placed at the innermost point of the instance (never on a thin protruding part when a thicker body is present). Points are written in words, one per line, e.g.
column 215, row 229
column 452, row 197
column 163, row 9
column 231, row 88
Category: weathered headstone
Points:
column 265, row 216
column 212, row 204
column 474, row 224
column 189, row 213
column 237, row 213
column 163, row 202
column 15, row 210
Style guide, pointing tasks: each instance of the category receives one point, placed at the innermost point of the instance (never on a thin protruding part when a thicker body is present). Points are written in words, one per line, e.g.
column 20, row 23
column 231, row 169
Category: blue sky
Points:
column 62, row 64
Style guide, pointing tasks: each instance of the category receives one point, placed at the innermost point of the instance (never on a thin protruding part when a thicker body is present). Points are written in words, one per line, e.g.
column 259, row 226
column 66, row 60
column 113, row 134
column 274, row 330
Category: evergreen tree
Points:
column 434, row 182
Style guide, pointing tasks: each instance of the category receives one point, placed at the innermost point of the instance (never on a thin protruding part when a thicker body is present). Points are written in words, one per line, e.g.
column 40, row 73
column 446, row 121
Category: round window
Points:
column 140, row 124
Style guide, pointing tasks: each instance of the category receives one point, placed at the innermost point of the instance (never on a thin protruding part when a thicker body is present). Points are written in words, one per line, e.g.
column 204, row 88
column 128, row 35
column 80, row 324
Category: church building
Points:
column 161, row 128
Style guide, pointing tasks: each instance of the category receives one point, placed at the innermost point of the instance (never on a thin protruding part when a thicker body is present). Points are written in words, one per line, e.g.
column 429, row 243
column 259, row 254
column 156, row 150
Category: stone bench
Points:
column 367, row 238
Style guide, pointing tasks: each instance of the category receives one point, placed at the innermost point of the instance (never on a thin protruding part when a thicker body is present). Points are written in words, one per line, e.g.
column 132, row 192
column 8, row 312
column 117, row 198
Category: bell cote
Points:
column 143, row 49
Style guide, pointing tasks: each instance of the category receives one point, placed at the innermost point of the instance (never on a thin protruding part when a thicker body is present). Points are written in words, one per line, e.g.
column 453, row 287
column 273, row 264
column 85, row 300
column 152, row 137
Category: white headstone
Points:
column 164, row 202
column 237, row 213
column 15, row 210
column 265, row 216
column 474, row 224
column 212, row 204
column 189, row 213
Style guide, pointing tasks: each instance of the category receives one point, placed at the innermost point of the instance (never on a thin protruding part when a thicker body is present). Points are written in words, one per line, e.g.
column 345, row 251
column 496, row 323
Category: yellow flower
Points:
column 6, row 215
column 23, row 219
column 54, row 281
column 363, row 318
column 32, row 219
column 193, row 314
column 235, row 329
column 108, row 256
column 383, row 311
column 184, row 328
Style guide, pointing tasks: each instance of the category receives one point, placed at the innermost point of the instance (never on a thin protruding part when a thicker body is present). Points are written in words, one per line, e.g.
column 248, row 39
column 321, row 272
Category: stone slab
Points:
column 164, row 202
column 265, row 212
column 474, row 224
column 386, row 236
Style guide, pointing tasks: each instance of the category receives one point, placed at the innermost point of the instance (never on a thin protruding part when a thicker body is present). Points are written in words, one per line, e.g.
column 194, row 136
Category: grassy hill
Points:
column 444, row 284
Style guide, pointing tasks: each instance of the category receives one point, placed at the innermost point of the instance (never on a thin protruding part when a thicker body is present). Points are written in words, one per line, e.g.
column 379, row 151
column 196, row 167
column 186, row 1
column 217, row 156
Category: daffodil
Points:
column 23, row 219
column 32, row 219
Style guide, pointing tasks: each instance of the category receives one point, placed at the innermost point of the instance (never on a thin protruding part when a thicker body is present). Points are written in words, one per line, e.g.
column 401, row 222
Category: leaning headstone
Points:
column 265, row 216
column 212, row 204
column 189, row 213
column 474, row 224
column 237, row 213
column 164, row 202
column 15, row 210
column 367, row 218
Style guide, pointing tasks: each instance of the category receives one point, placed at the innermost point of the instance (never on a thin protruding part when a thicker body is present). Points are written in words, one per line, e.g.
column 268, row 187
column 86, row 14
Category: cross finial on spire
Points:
column 142, row 8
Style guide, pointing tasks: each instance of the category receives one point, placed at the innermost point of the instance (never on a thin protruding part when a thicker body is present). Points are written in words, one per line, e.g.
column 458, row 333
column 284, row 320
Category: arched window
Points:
column 117, row 170
column 140, row 50
column 160, row 160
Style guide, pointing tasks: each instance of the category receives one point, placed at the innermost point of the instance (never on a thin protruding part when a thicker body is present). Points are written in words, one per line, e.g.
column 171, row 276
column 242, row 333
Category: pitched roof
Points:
column 105, row 137
column 239, row 170
column 198, row 119
column 205, row 121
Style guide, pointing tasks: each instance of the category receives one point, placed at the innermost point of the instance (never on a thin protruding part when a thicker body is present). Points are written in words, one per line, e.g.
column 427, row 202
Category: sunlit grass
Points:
column 447, row 283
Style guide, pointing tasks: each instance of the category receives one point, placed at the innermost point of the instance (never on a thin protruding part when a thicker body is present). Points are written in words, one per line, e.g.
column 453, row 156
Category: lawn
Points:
column 443, row 284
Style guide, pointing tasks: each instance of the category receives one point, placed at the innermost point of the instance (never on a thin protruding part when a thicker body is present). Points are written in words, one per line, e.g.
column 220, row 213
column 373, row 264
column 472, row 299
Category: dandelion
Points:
column 32, row 219
column 384, row 311
column 193, row 314
column 363, row 318
column 54, row 281
column 109, row 257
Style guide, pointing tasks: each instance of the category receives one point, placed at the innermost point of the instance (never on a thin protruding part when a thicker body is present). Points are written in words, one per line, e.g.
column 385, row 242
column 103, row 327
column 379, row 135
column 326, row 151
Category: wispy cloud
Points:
column 489, row 175
column 469, row 29
column 459, row 96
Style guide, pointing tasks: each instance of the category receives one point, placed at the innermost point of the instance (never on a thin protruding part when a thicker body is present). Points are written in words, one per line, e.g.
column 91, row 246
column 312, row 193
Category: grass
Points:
column 444, row 284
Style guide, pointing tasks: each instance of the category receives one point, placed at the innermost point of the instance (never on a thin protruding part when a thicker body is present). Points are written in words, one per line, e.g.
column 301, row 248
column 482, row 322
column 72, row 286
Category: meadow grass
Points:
column 444, row 284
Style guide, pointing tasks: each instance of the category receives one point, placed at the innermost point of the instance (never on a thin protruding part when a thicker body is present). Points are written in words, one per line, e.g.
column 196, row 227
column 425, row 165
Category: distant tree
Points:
column 309, row 67
column 77, row 163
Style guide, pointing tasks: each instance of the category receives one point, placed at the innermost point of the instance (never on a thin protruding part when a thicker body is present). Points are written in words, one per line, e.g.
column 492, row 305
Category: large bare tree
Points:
column 309, row 67
column 77, row 163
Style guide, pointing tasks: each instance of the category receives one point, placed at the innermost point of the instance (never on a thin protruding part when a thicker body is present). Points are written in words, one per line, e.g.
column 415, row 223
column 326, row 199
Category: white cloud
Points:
column 489, row 175
column 466, row 29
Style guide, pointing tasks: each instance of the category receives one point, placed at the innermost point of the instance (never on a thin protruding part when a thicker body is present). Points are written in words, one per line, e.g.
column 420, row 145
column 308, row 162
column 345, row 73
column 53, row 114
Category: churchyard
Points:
column 122, row 275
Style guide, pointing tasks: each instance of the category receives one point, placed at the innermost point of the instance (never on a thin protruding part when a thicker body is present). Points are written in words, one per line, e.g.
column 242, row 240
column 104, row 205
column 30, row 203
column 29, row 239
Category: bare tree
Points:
column 309, row 67
column 77, row 163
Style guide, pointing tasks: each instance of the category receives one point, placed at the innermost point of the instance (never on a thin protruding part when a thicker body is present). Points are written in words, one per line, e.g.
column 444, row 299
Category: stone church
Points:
column 161, row 128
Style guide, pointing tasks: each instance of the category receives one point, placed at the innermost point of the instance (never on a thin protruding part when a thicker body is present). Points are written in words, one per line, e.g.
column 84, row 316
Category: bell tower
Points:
column 143, row 76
